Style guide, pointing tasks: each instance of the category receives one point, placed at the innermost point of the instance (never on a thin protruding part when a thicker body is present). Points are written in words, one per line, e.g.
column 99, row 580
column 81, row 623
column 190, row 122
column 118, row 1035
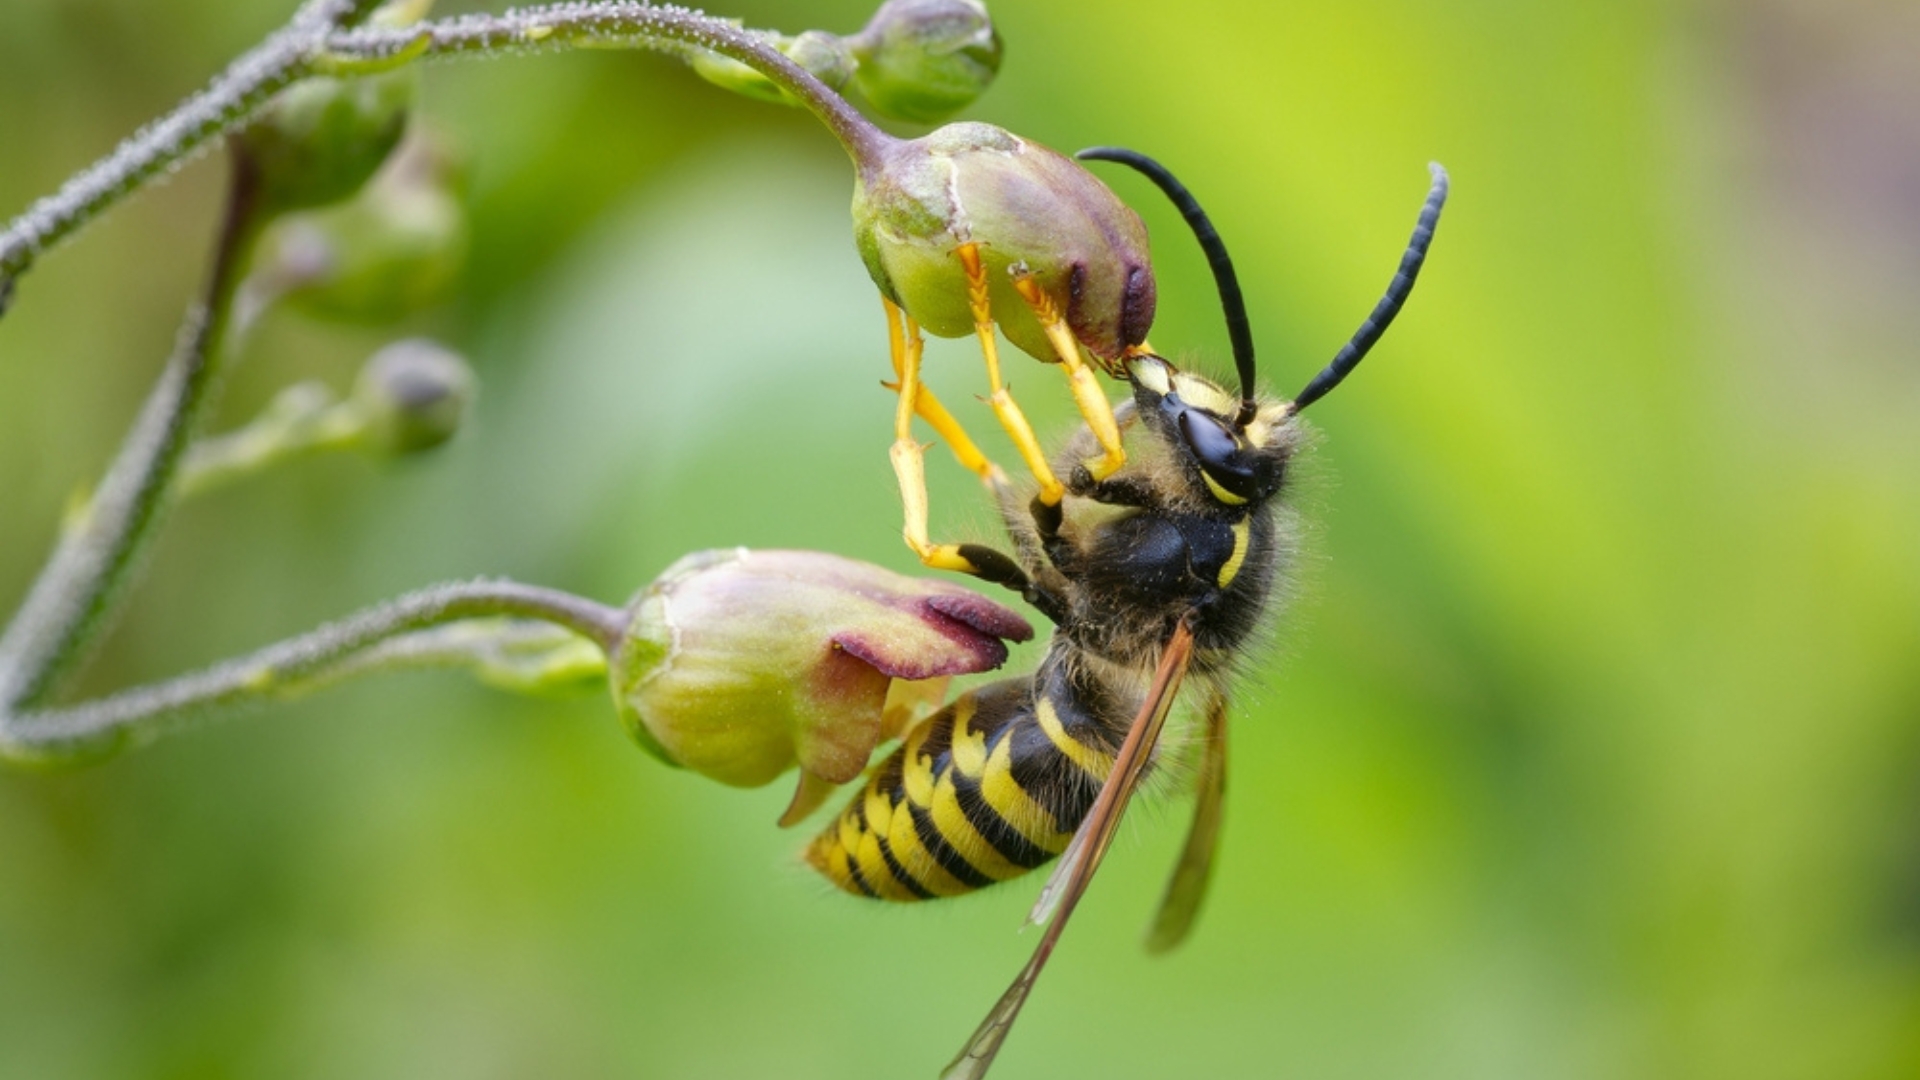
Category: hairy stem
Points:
column 321, row 39
column 94, row 558
column 624, row 24
column 395, row 634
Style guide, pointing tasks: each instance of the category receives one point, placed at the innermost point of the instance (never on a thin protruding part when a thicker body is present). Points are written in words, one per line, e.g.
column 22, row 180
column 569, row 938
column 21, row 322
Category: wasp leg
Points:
column 909, row 458
column 1011, row 418
column 1094, row 406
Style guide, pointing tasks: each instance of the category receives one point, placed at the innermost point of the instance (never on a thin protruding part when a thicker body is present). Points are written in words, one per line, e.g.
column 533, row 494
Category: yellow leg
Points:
column 907, row 349
column 1011, row 418
column 909, row 458
column 1094, row 406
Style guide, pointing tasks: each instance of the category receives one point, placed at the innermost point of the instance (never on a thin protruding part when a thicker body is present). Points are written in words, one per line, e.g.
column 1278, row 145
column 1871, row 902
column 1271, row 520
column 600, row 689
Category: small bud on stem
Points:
column 924, row 60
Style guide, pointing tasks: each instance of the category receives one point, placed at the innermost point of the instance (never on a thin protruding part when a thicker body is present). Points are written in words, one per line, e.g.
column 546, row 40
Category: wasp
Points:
column 1157, row 578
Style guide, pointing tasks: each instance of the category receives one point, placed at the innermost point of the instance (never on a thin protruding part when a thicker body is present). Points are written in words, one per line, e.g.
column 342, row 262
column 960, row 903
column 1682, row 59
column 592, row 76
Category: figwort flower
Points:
column 1027, row 208
column 738, row 664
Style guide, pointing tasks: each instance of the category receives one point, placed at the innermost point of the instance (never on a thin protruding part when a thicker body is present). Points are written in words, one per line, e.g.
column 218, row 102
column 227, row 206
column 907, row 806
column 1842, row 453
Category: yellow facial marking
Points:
column 1094, row 763
column 1195, row 390
column 1226, row 497
column 1242, row 532
column 1152, row 374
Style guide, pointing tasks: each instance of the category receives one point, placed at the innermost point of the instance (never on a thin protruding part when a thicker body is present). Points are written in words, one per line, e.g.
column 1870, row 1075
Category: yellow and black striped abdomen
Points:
column 986, row 789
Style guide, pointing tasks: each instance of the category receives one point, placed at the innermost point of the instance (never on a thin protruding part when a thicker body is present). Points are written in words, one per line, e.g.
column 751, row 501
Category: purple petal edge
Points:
column 982, row 614
column 969, row 652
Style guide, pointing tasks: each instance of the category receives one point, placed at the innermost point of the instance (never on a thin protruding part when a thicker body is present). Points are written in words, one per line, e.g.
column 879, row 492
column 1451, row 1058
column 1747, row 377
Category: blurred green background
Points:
column 1592, row 749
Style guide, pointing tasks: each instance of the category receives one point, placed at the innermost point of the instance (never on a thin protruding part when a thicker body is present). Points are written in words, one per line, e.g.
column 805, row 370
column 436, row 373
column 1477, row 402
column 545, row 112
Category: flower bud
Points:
column 821, row 53
column 1026, row 207
column 737, row 664
column 924, row 60
column 320, row 139
column 396, row 249
column 413, row 395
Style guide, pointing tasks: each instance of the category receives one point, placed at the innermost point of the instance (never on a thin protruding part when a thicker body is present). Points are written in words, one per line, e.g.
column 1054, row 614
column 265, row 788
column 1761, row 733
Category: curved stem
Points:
column 152, row 151
column 354, row 645
column 322, row 40
column 92, row 560
column 623, row 24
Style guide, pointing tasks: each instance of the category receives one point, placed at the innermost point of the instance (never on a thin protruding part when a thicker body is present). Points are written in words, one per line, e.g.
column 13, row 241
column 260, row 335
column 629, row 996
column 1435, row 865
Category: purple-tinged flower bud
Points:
column 738, row 664
column 414, row 395
column 924, row 60
column 1026, row 207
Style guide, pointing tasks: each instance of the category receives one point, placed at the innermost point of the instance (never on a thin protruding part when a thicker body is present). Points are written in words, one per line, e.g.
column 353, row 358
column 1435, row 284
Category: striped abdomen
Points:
column 986, row 789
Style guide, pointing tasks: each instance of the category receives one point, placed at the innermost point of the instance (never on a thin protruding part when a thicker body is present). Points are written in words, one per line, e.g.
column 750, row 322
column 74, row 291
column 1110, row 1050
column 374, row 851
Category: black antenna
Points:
column 1355, row 350
column 1216, row 249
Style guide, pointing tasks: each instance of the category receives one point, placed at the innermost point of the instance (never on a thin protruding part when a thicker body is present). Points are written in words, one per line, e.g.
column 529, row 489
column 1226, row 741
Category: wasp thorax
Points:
column 924, row 60
column 738, row 664
column 1027, row 209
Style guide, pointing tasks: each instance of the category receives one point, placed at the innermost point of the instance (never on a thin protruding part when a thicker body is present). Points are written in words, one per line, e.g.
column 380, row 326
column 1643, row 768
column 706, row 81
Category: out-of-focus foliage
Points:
column 1594, row 750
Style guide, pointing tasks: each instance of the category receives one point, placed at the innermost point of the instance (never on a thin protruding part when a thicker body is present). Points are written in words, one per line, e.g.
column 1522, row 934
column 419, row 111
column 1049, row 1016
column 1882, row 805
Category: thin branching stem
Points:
column 394, row 634
column 322, row 39
column 94, row 557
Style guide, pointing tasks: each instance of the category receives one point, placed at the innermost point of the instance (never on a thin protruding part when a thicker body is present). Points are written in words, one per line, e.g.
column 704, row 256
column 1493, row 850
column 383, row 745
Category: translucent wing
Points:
column 1188, row 886
column 1082, row 857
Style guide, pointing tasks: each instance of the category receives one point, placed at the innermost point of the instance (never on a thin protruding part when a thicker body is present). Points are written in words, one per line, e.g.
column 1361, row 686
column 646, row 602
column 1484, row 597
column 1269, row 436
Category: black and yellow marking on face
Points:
column 1226, row 498
column 1242, row 537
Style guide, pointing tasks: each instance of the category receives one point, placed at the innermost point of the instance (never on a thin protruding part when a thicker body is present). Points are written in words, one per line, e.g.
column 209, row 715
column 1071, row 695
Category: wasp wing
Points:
column 1082, row 857
column 1188, row 886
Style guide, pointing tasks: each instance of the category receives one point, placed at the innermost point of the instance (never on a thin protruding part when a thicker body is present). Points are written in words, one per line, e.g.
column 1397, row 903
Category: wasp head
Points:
column 1238, row 461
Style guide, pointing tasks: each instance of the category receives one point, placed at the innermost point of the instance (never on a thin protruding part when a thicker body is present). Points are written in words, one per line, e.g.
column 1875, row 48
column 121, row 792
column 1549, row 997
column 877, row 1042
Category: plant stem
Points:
column 321, row 40
column 390, row 635
column 155, row 149
column 92, row 561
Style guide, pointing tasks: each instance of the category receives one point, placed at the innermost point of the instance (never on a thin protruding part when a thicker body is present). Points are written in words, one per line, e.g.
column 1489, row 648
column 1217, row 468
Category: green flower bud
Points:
column 413, row 395
column 396, row 249
column 1026, row 207
column 739, row 664
column 824, row 55
column 924, row 60
column 320, row 139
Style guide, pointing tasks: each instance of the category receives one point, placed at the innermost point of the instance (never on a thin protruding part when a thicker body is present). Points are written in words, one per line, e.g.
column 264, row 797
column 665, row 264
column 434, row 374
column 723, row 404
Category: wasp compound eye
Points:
column 1218, row 453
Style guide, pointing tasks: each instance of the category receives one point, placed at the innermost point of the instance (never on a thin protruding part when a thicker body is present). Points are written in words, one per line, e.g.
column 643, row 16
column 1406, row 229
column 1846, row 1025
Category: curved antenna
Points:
column 1230, row 300
column 1355, row 350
